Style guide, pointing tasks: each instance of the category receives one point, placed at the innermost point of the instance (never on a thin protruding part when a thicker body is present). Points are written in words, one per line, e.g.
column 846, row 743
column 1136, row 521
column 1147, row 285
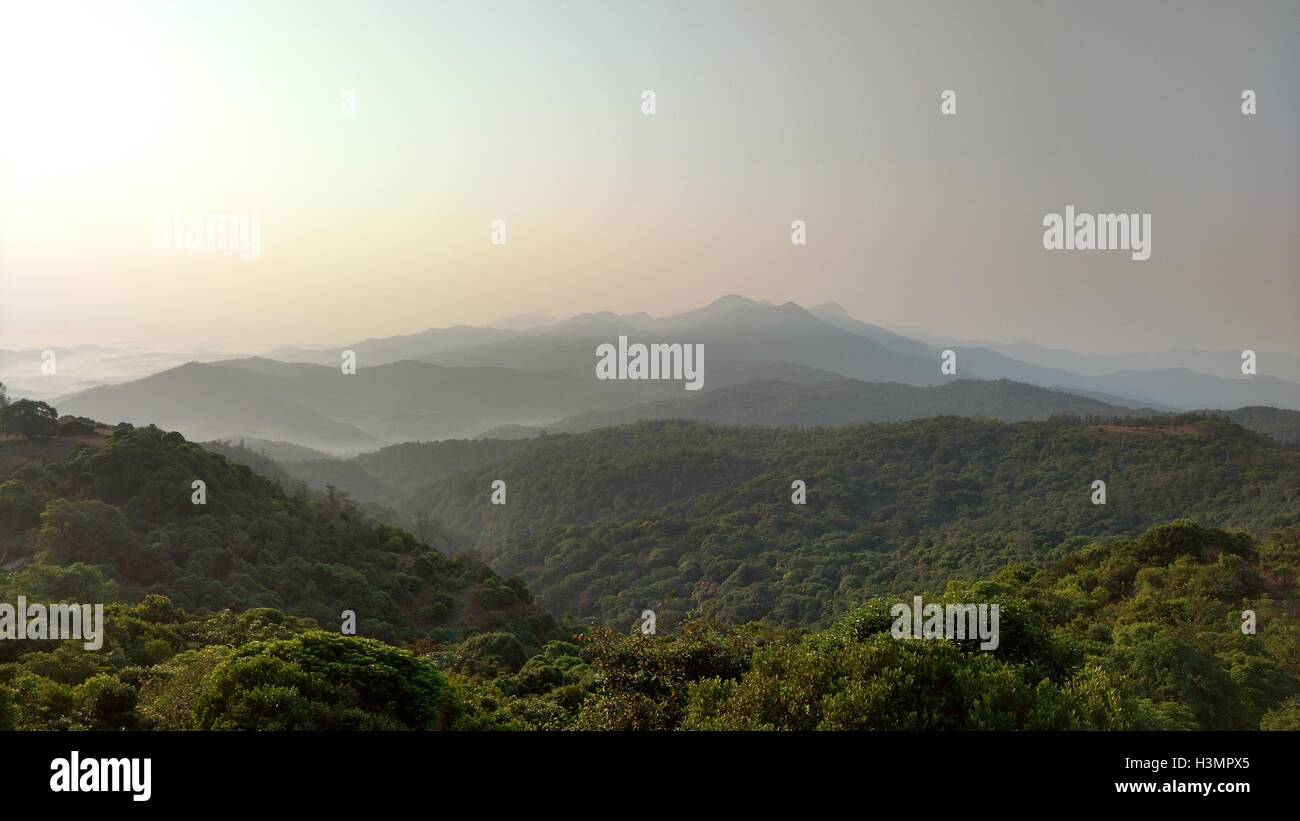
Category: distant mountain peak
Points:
column 524, row 322
column 792, row 307
column 597, row 320
column 730, row 301
column 830, row 309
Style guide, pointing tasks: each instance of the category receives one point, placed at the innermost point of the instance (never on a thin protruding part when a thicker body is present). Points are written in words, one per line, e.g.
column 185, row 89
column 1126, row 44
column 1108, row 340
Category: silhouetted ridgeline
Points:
column 462, row 382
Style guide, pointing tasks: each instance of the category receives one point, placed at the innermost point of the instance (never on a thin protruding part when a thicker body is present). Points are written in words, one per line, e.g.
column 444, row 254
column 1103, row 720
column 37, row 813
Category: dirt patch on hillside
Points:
column 16, row 452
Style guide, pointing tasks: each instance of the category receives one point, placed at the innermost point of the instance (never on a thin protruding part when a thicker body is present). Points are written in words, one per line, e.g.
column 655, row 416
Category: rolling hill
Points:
column 463, row 382
column 699, row 517
column 850, row 402
column 117, row 522
column 206, row 401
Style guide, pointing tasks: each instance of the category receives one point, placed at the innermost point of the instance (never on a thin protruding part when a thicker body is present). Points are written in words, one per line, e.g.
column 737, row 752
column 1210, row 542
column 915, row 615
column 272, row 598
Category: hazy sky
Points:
column 379, row 222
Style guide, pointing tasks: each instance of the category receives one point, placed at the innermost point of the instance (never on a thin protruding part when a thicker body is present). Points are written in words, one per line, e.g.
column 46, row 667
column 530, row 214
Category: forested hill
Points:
column 1140, row 632
column 688, row 516
column 1184, row 627
column 1282, row 425
column 851, row 402
column 118, row 521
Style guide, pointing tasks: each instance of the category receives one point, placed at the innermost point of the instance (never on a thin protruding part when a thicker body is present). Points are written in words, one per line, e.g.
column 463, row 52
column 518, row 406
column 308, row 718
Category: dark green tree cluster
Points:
column 28, row 418
column 770, row 615
column 603, row 524
column 162, row 668
column 122, row 516
column 1140, row 634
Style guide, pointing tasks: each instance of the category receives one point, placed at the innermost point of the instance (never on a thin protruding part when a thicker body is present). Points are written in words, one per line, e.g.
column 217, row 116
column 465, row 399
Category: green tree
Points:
column 20, row 507
column 106, row 702
column 96, row 533
column 324, row 681
column 30, row 419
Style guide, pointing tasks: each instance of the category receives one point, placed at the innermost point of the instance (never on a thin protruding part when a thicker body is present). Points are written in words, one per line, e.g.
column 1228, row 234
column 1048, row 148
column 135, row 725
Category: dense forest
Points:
column 119, row 522
column 1143, row 634
column 1283, row 425
column 688, row 518
column 391, row 476
column 771, row 615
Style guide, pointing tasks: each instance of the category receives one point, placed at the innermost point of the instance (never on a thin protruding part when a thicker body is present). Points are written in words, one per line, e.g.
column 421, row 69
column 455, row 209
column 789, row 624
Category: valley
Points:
column 376, row 499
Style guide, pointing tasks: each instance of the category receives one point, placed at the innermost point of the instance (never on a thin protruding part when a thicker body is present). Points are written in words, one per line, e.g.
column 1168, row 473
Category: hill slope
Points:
column 849, row 402
column 1142, row 634
column 699, row 517
column 118, row 522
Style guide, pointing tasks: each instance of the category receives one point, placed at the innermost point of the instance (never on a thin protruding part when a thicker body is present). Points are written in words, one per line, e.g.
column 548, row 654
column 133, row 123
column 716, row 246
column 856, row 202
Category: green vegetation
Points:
column 1282, row 425
column 1142, row 634
column 686, row 517
column 121, row 517
column 164, row 669
column 771, row 616
column 29, row 419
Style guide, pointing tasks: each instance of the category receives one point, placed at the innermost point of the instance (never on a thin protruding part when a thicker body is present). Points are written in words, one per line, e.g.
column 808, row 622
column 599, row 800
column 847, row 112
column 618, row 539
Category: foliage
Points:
column 1141, row 634
column 124, row 512
column 771, row 616
column 686, row 517
column 29, row 418
column 163, row 668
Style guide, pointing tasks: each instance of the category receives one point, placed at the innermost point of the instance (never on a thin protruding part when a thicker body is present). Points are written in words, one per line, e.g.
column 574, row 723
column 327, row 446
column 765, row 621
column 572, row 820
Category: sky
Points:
column 378, row 219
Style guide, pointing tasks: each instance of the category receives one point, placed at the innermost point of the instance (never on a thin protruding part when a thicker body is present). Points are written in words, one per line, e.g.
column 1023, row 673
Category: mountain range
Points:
column 763, row 363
